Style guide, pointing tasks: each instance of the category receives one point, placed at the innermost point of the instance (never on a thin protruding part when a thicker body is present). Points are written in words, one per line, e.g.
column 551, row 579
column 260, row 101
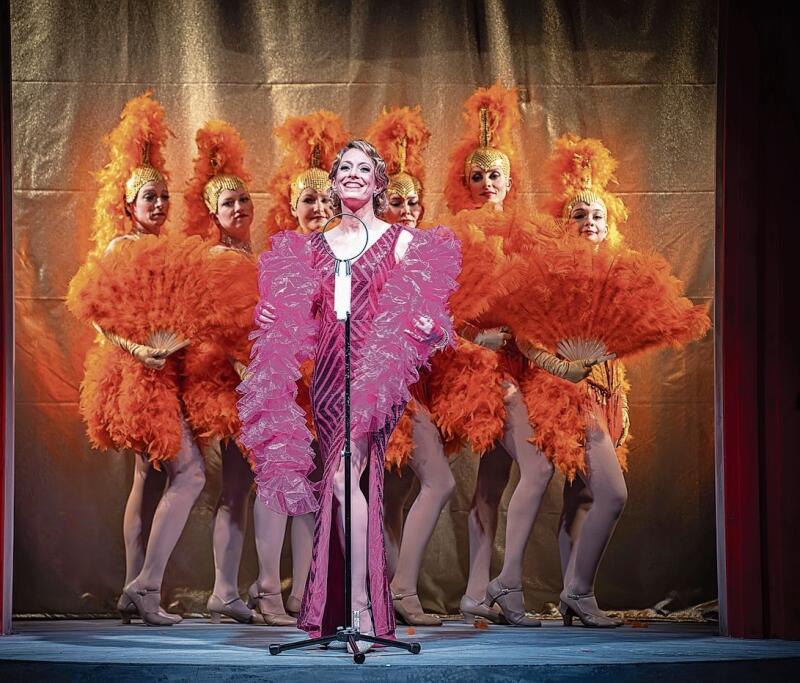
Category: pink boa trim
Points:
column 273, row 426
column 420, row 284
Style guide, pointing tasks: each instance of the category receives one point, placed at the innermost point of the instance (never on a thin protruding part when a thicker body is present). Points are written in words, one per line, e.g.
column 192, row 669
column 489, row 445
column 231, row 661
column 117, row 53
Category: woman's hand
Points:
column 265, row 316
column 493, row 339
column 151, row 358
column 423, row 330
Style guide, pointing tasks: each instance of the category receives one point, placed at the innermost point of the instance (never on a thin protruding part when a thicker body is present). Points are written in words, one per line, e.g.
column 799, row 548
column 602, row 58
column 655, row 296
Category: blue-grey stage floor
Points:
column 105, row 650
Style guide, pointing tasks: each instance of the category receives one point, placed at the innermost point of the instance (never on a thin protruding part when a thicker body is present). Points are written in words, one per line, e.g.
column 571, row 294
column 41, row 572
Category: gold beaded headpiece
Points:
column 313, row 177
column 401, row 182
column 485, row 156
column 141, row 175
column 217, row 185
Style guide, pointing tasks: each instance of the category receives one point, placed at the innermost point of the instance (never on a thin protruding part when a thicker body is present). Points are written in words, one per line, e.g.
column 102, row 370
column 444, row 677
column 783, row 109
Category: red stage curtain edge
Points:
column 757, row 366
column 6, row 328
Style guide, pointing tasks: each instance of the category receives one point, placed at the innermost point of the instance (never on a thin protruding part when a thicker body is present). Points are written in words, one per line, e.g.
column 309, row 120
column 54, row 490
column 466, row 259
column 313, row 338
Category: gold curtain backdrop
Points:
column 641, row 76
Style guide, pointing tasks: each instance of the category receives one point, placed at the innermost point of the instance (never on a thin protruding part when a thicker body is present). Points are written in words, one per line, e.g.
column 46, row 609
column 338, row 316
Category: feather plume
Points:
column 387, row 134
column 220, row 150
column 299, row 135
column 504, row 119
column 573, row 161
column 141, row 123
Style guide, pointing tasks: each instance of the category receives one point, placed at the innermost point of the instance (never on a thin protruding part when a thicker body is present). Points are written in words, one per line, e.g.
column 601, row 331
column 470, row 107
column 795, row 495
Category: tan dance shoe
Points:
column 413, row 618
column 148, row 604
column 234, row 609
column 472, row 610
column 570, row 606
column 496, row 593
column 258, row 601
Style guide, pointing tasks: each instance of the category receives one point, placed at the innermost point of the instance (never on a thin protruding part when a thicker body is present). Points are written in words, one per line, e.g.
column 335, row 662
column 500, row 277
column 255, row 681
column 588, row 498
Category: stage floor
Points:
column 198, row 651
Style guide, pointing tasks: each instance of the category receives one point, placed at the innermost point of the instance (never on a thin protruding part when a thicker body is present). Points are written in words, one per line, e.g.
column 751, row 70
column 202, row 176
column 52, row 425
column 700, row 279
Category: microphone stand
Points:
column 349, row 633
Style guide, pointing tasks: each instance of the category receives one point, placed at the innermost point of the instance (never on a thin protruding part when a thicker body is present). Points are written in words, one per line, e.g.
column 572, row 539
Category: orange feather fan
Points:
column 141, row 126
column 220, row 150
column 627, row 300
column 504, row 118
column 388, row 133
column 298, row 136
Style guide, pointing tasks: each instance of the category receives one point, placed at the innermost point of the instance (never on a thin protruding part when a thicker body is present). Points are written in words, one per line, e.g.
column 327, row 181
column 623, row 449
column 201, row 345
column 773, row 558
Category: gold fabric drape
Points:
column 641, row 76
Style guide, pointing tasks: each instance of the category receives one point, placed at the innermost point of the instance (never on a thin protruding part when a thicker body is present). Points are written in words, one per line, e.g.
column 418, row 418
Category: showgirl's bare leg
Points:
column 186, row 475
column 148, row 485
column 230, row 521
column 577, row 502
column 607, row 485
column 397, row 487
column 302, row 545
column 535, row 473
column 269, row 527
column 492, row 478
column 432, row 468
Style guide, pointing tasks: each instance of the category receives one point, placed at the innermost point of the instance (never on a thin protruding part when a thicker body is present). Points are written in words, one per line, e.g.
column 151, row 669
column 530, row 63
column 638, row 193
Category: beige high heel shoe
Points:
column 473, row 610
column 234, row 609
column 497, row 593
column 148, row 604
column 257, row 601
column 413, row 618
column 570, row 606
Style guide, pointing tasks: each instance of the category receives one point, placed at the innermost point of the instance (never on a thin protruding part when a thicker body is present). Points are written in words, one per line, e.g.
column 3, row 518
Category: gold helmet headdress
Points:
column 580, row 170
column 492, row 116
column 218, row 166
column 310, row 143
column 136, row 157
column 400, row 135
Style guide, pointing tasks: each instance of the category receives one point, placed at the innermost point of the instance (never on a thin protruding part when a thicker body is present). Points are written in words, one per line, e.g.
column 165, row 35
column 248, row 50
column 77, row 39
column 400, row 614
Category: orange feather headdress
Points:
column 580, row 170
column 135, row 157
column 491, row 117
column 400, row 135
column 218, row 166
column 310, row 143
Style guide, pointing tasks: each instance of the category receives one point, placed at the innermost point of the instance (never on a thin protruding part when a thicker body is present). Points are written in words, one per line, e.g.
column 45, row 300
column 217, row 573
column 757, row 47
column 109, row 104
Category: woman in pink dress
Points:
column 400, row 280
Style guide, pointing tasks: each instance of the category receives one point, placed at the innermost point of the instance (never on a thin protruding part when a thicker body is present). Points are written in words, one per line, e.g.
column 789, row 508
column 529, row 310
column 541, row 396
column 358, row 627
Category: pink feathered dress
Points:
column 296, row 278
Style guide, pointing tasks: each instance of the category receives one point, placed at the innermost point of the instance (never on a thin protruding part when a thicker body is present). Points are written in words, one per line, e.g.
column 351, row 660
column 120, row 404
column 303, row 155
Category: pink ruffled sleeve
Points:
column 420, row 284
column 274, row 427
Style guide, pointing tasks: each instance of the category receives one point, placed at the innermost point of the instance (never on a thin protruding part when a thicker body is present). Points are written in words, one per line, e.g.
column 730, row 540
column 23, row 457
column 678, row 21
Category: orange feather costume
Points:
column 209, row 378
column 467, row 383
column 400, row 136
column 626, row 300
column 143, row 286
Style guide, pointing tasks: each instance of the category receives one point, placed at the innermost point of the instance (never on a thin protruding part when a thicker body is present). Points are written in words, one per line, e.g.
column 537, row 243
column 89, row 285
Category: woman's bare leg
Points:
column 492, row 478
column 436, row 480
column 397, row 488
column 577, row 500
column 186, row 475
column 359, row 519
column 607, row 485
column 269, row 527
column 302, row 546
column 146, row 490
column 230, row 521
column 535, row 473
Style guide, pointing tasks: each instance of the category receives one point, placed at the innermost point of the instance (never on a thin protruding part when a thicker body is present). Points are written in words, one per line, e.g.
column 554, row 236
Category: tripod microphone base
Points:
column 349, row 636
